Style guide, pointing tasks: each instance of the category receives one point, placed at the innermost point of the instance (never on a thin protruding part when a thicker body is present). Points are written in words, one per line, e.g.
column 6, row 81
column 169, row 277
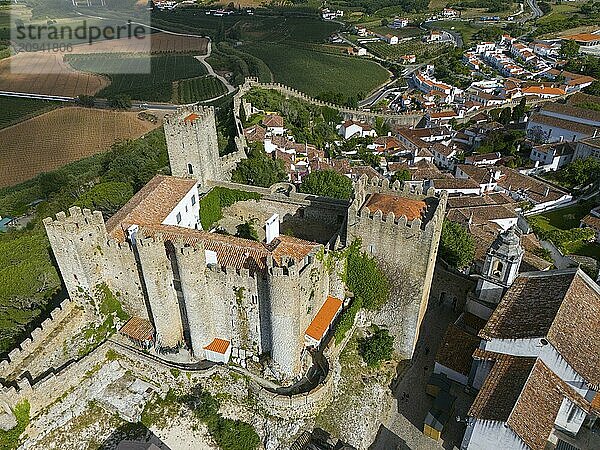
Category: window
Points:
column 190, row 169
column 178, row 217
column 193, row 200
column 497, row 267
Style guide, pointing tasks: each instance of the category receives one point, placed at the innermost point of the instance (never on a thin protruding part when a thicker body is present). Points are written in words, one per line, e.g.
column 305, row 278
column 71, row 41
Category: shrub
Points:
column 212, row 204
column 327, row 183
column 365, row 279
column 376, row 348
column 9, row 439
column 347, row 320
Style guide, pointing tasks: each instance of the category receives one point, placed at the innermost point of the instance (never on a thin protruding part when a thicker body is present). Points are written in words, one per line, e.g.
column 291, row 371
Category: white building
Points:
column 399, row 22
column 350, row 129
column 588, row 148
column 536, row 364
column 551, row 156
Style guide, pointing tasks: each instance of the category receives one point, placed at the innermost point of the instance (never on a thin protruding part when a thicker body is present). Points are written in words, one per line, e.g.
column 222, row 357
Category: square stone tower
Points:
column 191, row 135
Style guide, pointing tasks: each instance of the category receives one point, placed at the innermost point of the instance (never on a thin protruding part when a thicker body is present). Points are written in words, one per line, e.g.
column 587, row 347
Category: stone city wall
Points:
column 38, row 336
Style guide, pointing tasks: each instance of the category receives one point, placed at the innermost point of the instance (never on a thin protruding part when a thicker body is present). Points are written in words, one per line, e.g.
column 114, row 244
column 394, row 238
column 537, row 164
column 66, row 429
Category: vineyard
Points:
column 318, row 73
column 423, row 51
column 200, row 88
column 14, row 110
column 155, row 85
column 51, row 140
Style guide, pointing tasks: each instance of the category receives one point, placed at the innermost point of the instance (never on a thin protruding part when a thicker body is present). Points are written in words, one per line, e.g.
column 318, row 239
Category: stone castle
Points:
column 213, row 293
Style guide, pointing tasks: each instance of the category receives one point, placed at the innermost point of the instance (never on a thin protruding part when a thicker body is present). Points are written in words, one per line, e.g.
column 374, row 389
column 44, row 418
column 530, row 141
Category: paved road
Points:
column 212, row 72
column 537, row 12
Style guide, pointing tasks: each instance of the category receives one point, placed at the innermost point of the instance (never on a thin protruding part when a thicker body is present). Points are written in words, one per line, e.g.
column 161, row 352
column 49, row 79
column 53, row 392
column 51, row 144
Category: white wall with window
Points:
column 187, row 212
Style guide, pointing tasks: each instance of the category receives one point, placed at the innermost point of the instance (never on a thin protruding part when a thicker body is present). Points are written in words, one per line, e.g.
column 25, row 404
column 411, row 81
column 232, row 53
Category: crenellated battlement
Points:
column 77, row 219
column 182, row 116
column 37, row 337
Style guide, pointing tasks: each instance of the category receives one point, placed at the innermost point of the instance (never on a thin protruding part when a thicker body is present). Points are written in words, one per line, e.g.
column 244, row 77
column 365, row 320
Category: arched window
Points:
column 190, row 169
column 497, row 267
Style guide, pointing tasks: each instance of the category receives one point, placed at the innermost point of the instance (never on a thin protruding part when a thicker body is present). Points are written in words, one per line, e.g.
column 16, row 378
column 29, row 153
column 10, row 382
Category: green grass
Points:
column 466, row 29
column 154, row 86
column 14, row 110
column 9, row 440
column 200, row 88
column 319, row 73
column 567, row 219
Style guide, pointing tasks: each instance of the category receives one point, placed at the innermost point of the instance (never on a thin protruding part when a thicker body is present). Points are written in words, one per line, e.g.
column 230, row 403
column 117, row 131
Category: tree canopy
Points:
column 457, row 247
column 376, row 348
column 365, row 278
column 259, row 170
column 327, row 183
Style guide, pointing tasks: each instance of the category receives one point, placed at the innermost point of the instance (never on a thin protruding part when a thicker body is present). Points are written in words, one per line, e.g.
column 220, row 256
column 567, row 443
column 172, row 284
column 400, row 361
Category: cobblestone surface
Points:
column 403, row 429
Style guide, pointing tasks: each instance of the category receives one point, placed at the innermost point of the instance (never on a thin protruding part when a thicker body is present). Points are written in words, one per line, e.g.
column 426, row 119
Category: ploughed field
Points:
column 56, row 138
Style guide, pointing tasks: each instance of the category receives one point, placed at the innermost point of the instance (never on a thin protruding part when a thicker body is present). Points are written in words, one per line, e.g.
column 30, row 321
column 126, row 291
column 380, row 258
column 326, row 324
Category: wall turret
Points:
column 162, row 297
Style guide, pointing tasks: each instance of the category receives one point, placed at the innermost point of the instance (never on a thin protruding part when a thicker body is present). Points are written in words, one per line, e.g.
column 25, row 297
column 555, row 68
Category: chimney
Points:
column 546, row 191
column 272, row 228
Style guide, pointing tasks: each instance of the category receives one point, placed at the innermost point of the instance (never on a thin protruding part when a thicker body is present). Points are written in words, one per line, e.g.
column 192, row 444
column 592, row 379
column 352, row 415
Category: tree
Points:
column 569, row 48
column 259, row 170
column 519, row 111
column 246, row 230
column 580, row 172
column 401, row 175
column 593, row 89
column 327, row 183
column 384, row 22
column 457, row 247
column 87, row 101
column 120, row 101
column 505, row 116
column 377, row 347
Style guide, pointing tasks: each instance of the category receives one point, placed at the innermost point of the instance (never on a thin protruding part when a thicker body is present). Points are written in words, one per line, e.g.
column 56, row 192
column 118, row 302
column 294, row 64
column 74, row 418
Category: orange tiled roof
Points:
column 218, row 346
column 192, row 117
column 583, row 37
column 400, row 206
column 545, row 90
column 150, row 205
column 324, row 317
column 138, row 329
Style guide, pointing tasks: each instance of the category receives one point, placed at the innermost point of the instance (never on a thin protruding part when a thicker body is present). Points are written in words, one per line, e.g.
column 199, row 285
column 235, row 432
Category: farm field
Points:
column 155, row 42
column 154, row 86
column 318, row 73
column 200, row 88
column 421, row 50
column 51, row 140
column 13, row 110
column 58, row 77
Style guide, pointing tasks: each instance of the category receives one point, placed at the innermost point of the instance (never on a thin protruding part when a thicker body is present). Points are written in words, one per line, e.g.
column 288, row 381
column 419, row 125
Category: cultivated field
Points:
column 157, row 85
column 13, row 110
column 317, row 73
column 156, row 42
column 61, row 136
column 46, row 73
column 416, row 47
column 200, row 88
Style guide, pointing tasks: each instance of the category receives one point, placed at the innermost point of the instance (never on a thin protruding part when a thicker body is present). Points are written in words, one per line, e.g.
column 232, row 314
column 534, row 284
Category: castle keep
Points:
column 218, row 294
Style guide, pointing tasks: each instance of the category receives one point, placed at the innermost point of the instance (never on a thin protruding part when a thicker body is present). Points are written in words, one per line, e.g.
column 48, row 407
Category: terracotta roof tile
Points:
column 400, row 206
column 273, row 120
column 501, row 388
column 323, row 318
column 138, row 329
column 218, row 346
column 591, row 221
column 456, row 349
column 150, row 205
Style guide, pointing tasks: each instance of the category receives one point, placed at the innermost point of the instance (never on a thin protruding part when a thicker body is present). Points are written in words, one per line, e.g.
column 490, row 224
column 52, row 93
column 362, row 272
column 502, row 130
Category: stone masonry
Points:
column 407, row 251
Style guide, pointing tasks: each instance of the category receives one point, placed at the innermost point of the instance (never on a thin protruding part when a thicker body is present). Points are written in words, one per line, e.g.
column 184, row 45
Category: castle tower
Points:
column 191, row 135
column 501, row 266
column 286, row 341
column 199, row 310
column 400, row 227
column 162, row 296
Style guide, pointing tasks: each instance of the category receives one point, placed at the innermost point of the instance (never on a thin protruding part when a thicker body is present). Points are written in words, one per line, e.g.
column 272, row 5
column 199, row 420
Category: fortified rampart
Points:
column 87, row 257
column 408, row 119
column 406, row 250
column 38, row 337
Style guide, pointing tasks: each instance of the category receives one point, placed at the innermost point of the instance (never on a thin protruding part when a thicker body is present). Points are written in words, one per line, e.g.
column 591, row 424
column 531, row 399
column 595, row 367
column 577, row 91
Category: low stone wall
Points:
column 38, row 336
